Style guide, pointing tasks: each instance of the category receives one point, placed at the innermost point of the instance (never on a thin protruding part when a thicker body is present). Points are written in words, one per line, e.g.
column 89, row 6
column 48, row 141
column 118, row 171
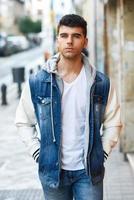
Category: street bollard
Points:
column 3, row 94
column 31, row 71
column 18, row 77
column 39, row 67
column 19, row 89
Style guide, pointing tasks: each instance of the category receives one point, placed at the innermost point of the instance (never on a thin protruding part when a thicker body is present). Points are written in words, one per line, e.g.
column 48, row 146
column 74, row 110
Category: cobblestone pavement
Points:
column 31, row 194
column 18, row 171
column 119, row 178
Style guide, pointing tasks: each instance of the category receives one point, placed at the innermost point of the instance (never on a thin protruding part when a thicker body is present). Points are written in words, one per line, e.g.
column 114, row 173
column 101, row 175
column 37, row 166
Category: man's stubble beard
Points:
column 70, row 56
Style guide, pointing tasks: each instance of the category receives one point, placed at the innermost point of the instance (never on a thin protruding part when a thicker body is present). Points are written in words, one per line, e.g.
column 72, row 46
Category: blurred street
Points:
column 18, row 171
column 25, row 58
column 28, row 59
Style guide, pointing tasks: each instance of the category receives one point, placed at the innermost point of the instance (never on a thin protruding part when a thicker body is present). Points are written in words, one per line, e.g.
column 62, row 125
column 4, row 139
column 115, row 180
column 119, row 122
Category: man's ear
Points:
column 57, row 44
column 86, row 42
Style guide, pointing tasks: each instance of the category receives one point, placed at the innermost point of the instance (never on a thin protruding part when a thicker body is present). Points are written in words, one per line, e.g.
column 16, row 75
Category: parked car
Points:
column 12, row 44
column 34, row 38
column 20, row 42
column 6, row 47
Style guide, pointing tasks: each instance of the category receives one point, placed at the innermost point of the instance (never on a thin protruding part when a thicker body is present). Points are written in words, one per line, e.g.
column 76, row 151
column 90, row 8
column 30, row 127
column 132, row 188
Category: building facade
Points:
column 34, row 9
column 10, row 12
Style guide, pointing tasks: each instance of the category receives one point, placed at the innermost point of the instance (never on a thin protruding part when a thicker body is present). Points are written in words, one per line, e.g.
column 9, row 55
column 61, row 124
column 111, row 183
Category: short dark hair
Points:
column 73, row 20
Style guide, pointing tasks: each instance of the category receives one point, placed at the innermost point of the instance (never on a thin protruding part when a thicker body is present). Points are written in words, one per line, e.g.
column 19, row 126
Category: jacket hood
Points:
column 51, row 64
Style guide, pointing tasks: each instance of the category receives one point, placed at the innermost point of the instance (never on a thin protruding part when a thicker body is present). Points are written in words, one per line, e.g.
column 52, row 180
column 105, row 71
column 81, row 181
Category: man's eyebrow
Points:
column 78, row 34
column 64, row 33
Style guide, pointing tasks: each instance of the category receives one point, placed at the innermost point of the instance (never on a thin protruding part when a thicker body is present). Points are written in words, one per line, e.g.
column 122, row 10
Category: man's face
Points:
column 71, row 41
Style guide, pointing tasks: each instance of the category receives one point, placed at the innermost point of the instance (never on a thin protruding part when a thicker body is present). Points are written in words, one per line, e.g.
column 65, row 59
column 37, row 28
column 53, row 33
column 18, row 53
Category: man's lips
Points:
column 69, row 49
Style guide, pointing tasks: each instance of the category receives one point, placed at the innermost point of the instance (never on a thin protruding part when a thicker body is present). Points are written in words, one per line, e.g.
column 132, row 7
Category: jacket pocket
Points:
column 44, row 107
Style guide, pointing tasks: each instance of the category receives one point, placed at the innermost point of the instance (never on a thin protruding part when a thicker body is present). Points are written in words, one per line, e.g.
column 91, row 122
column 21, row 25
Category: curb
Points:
column 130, row 157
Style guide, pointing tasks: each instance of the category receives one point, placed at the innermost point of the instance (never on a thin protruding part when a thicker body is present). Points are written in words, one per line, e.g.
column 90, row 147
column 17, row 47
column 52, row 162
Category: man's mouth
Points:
column 69, row 49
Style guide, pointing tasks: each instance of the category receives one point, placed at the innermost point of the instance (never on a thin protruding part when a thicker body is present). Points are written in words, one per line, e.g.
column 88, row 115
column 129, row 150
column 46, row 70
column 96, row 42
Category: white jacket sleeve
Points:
column 26, row 123
column 112, row 122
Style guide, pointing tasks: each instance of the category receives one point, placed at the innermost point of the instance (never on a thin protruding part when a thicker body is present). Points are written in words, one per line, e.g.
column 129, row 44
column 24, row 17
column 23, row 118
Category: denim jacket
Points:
column 46, row 92
column 48, row 113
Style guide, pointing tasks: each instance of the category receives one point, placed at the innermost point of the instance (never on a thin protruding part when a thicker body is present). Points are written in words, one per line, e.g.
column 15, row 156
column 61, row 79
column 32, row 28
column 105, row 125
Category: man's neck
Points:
column 69, row 66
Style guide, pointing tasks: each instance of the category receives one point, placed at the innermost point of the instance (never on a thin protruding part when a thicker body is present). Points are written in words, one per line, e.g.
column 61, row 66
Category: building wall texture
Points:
column 118, row 49
column 10, row 12
column 128, row 75
column 120, row 63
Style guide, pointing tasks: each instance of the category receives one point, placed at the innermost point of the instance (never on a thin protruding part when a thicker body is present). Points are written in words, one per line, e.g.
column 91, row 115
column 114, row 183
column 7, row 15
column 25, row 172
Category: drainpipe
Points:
column 95, row 32
column 105, row 39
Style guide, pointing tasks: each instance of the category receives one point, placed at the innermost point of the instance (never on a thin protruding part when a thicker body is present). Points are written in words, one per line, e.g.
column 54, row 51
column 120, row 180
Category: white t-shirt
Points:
column 73, row 123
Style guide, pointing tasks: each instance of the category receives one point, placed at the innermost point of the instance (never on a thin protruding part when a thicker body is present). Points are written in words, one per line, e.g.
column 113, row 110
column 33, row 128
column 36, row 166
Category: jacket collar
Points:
column 51, row 67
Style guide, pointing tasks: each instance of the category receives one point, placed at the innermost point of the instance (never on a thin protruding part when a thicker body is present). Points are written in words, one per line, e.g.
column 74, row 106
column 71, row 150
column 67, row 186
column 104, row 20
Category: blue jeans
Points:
column 74, row 185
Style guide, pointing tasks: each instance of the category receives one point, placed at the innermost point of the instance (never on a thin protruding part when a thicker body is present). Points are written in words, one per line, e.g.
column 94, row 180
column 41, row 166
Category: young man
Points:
column 71, row 103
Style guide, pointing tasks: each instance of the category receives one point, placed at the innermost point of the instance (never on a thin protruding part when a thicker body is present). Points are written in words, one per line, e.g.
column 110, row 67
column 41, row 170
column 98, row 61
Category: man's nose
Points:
column 70, row 40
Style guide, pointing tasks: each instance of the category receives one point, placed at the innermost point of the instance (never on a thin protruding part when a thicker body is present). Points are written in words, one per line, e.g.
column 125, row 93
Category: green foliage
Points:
column 27, row 25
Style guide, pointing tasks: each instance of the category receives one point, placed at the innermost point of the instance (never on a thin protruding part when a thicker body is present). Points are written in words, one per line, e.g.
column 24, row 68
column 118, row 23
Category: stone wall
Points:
column 128, row 75
column 118, row 50
column 120, row 15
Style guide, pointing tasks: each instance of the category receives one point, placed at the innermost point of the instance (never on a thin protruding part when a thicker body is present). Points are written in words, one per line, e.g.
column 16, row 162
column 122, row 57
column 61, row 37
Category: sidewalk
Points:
column 119, row 178
column 18, row 171
column 130, row 157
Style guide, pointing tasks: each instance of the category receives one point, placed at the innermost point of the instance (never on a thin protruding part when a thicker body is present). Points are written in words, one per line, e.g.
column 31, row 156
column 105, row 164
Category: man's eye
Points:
column 77, row 36
column 63, row 36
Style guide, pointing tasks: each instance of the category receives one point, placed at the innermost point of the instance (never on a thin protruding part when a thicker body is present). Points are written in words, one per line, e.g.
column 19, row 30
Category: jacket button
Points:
column 43, row 101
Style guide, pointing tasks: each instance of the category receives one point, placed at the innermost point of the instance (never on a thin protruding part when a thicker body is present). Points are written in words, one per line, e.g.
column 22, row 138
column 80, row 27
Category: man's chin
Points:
column 69, row 55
